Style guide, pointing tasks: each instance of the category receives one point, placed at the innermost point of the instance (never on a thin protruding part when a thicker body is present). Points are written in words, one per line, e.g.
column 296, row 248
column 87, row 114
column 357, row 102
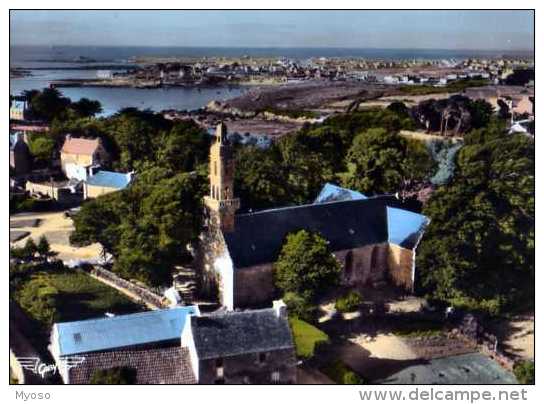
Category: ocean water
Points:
column 112, row 99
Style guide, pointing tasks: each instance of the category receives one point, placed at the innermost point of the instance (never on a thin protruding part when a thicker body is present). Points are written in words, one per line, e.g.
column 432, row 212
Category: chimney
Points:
column 280, row 308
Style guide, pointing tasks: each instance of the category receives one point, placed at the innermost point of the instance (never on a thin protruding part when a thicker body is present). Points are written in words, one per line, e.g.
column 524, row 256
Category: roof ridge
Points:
column 125, row 316
column 371, row 198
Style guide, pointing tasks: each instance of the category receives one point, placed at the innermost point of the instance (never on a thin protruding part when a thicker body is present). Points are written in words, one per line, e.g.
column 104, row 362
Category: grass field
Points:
column 306, row 336
column 453, row 87
column 75, row 296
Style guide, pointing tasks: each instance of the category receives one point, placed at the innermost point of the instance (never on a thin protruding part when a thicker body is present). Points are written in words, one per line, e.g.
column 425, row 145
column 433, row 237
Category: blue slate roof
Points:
column 334, row 193
column 122, row 331
column 405, row 228
column 109, row 179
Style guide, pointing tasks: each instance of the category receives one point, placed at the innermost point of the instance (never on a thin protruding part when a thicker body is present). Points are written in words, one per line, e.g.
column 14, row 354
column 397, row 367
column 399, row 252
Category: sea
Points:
column 48, row 63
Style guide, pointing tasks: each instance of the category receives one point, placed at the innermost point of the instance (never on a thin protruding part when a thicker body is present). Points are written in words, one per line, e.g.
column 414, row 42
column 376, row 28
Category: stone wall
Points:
column 251, row 368
column 142, row 294
column 401, row 265
column 363, row 266
column 94, row 191
column 254, row 286
column 211, row 246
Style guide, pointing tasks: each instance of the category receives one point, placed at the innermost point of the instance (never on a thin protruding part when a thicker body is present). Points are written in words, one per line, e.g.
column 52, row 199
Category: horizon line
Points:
column 276, row 47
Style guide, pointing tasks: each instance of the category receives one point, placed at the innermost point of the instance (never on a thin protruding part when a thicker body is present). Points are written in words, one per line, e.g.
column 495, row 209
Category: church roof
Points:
column 258, row 237
column 405, row 228
column 235, row 333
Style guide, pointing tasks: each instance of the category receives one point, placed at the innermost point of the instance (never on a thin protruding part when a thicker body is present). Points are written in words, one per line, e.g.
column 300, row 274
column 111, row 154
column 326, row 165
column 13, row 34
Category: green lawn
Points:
column 74, row 296
column 306, row 336
column 341, row 373
column 453, row 87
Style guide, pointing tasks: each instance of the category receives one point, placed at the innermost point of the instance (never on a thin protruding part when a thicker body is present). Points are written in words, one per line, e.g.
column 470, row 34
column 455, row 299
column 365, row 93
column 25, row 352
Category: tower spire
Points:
column 221, row 203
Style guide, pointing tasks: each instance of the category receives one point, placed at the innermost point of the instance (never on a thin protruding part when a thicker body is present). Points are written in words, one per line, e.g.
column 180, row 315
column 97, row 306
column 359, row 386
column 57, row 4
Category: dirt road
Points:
column 56, row 228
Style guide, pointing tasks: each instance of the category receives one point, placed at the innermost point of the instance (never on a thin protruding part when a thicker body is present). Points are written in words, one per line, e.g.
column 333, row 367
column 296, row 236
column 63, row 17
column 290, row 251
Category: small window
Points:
column 262, row 357
column 77, row 338
column 215, row 167
column 275, row 377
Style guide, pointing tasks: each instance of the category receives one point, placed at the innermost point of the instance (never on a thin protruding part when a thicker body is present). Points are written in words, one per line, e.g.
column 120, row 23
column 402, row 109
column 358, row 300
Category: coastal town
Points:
column 342, row 220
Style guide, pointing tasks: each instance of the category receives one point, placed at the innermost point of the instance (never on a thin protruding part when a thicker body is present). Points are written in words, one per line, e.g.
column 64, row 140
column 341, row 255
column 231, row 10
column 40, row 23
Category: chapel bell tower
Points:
column 221, row 202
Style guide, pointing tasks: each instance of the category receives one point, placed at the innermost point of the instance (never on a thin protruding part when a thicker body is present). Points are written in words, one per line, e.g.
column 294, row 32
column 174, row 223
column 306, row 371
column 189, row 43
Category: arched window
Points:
column 215, row 167
column 348, row 265
column 374, row 259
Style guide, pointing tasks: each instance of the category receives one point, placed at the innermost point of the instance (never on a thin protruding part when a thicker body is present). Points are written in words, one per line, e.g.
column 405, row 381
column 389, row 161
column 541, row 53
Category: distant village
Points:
column 151, row 73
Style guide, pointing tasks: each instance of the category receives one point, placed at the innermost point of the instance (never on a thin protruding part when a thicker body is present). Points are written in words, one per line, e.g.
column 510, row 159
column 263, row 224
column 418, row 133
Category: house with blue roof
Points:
column 104, row 182
column 89, row 342
column 374, row 238
column 180, row 346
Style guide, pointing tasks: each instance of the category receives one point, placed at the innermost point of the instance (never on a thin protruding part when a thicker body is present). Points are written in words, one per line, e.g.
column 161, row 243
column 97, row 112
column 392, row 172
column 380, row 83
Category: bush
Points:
column 300, row 307
column 525, row 372
column 349, row 302
column 340, row 373
column 117, row 375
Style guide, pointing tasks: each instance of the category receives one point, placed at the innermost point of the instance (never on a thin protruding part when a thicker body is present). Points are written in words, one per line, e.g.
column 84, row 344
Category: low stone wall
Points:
column 142, row 294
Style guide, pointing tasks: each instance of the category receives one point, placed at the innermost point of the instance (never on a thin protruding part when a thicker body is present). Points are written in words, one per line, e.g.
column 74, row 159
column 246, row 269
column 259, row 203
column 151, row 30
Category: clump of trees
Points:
column 147, row 227
column 49, row 105
column 294, row 169
column 383, row 162
column 32, row 252
column 305, row 269
column 453, row 116
column 478, row 251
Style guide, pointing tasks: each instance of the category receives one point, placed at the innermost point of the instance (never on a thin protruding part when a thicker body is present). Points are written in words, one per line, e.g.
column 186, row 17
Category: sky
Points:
column 478, row 30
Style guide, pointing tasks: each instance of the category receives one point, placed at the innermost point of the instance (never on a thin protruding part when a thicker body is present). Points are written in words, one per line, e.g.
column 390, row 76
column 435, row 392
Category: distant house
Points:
column 250, row 347
column 20, row 159
column 147, row 342
column 60, row 191
column 179, row 346
column 79, row 156
column 105, row 182
column 18, row 110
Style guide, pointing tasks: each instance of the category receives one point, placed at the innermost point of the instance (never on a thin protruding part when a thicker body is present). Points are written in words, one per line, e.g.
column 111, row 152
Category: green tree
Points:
column 525, row 372
column 306, row 266
column 98, row 221
column 260, row 179
column 86, row 108
column 38, row 299
column 376, row 162
column 30, row 249
column 184, row 147
column 478, row 251
column 44, row 249
column 42, row 148
column 48, row 104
